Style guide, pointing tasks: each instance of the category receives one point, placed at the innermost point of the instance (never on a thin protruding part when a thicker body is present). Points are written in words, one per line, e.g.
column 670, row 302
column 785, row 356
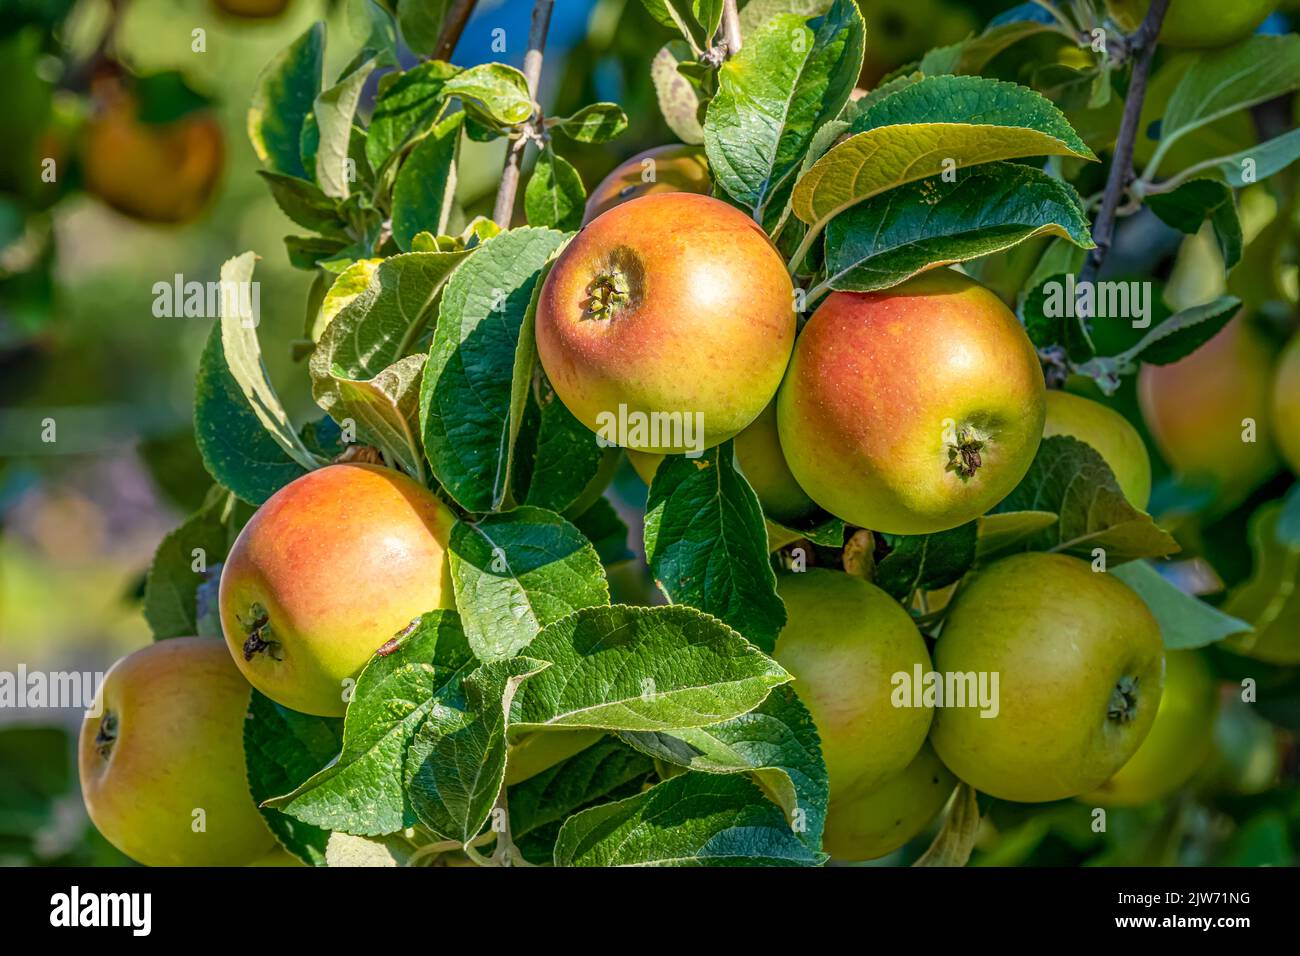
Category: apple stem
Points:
column 1123, row 700
column 964, row 456
column 106, row 736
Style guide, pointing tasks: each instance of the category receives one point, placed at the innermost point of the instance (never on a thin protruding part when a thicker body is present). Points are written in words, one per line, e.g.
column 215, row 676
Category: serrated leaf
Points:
column 456, row 764
column 774, row 95
column 466, row 399
column 777, row 742
column 927, row 561
column 282, row 748
column 171, row 586
column 555, row 196
column 597, row 123
column 1185, row 620
column 939, row 122
column 516, row 572
column 362, row 791
column 304, row 203
column 500, row 91
column 334, row 110
column 407, row 104
column 694, row 819
column 1071, row 479
column 706, row 543
column 892, row 237
column 679, row 100
column 1182, row 333
column 643, row 668
column 283, row 97
column 345, row 287
column 426, row 184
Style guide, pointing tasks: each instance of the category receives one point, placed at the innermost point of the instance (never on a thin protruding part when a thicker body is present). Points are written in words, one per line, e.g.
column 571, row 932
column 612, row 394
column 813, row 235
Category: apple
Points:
column 1286, row 404
column 1197, row 23
column 664, row 169
column 162, row 765
column 277, row 858
column 1109, row 434
column 865, row 825
column 844, row 640
column 154, row 172
column 671, row 316
column 1180, row 741
column 251, row 8
column 1196, row 407
column 325, row 573
column 912, row 410
column 1080, row 665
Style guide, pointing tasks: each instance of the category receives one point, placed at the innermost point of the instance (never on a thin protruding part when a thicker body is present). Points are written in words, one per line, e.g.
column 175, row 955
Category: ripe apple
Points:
column 251, row 8
column 167, row 744
column 1109, row 434
column 1286, row 404
column 1080, row 665
column 669, row 306
column 914, row 409
column 1197, row 23
column 1180, row 740
column 1195, row 409
column 865, row 825
column 843, row 641
column 155, row 172
column 664, row 169
column 325, row 573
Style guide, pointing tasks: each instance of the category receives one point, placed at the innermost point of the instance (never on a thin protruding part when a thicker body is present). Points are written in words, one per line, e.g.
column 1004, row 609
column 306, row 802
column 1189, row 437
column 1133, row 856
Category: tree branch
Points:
column 1143, row 45
column 731, row 27
column 505, row 204
column 453, row 27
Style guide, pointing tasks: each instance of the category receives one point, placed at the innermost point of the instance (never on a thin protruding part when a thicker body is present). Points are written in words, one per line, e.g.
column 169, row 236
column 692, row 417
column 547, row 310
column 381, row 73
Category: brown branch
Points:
column 731, row 27
column 453, row 27
column 505, row 204
column 1143, row 45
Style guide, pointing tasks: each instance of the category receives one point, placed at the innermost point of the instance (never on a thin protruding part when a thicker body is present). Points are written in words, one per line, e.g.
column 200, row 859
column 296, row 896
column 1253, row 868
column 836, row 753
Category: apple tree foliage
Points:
column 686, row 743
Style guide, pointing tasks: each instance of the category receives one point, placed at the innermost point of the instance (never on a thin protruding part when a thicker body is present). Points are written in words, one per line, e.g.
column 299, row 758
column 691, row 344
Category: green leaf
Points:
column 540, row 804
column 426, row 184
column 421, row 23
column 500, row 91
column 602, row 526
column 1185, row 621
column 1010, row 531
column 1270, row 600
column 1186, row 207
column 696, row 19
column 926, row 127
column 406, row 107
column 283, row 98
column 706, row 543
column 1257, row 163
column 516, row 572
column 1052, row 316
column 988, row 209
column 643, row 668
column 345, row 850
column 786, row 82
column 555, row 452
column 777, row 742
column 343, row 288
column 1069, row 478
column 694, row 819
column 466, row 399
column 282, row 748
column 1176, row 337
column 1227, row 81
column 974, row 53
column 679, row 98
column 362, row 792
column 171, row 586
column 597, row 123
column 555, row 196
column 334, row 110
column 304, row 203
column 926, row 561
column 457, row 762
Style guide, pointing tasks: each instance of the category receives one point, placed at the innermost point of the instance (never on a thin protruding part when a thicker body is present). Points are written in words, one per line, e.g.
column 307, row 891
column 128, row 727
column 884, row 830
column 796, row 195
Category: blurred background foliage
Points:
column 79, row 343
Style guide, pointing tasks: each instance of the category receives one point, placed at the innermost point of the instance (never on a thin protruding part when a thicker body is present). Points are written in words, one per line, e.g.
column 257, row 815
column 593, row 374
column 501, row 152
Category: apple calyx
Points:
column 1123, row 700
column 608, row 293
column 106, row 734
column 260, row 635
column 964, row 455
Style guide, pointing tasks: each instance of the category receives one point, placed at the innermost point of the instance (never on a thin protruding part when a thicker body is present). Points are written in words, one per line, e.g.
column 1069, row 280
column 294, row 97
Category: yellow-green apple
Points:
column 161, row 758
column 1286, row 404
column 1109, row 434
column 865, row 825
column 664, row 169
column 914, row 409
column 1200, row 408
column 667, row 322
column 844, row 641
column 155, row 172
column 1079, row 665
column 1180, row 741
column 252, row 8
column 1197, row 23
column 325, row 573
column 277, row 858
